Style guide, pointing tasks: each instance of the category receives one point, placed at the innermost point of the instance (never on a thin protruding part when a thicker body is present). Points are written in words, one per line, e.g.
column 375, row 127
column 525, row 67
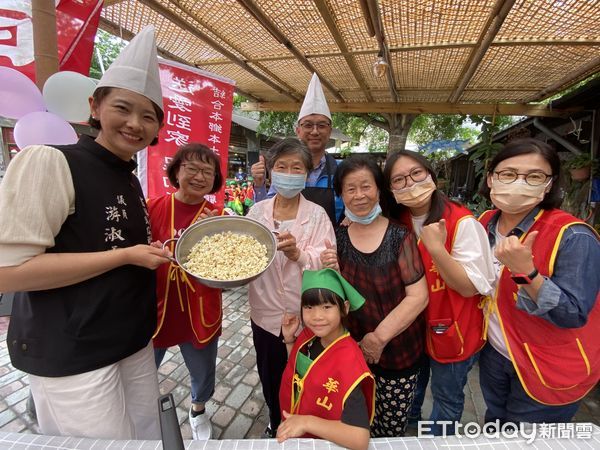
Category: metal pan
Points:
column 213, row 225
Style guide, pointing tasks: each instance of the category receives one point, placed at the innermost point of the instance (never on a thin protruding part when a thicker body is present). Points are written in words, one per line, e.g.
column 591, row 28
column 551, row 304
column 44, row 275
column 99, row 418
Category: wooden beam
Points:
column 272, row 28
column 339, row 40
column 375, row 17
column 490, row 30
column 108, row 3
column 366, row 15
column 45, row 46
column 505, row 109
column 183, row 24
column 587, row 69
column 264, row 69
column 414, row 48
column 117, row 30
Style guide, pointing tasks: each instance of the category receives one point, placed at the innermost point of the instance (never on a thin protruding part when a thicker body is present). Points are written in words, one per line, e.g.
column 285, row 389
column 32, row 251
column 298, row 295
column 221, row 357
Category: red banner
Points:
column 198, row 107
column 76, row 25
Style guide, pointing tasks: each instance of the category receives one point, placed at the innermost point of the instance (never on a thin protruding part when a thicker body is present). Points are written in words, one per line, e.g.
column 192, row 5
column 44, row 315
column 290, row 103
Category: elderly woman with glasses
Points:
column 303, row 231
column 543, row 351
column 459, row 269
column 189, row 313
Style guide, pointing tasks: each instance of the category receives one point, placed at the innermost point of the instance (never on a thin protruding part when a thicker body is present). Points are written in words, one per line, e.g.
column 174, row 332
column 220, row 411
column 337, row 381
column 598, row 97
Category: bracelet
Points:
column 288, row 342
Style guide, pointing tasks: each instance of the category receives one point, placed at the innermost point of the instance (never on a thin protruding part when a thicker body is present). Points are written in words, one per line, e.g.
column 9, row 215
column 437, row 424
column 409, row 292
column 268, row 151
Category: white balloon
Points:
column 66, row 95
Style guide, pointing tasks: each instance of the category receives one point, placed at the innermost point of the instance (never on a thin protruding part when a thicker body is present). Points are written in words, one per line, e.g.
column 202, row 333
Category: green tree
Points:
column 432, row 127
column 485, row 152
column 109, row 47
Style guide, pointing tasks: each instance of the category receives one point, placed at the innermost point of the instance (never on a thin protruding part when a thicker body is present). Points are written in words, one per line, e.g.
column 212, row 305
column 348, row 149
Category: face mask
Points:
column 288, row 185
column 366, row 220
column 416, row 194
column 516, row 197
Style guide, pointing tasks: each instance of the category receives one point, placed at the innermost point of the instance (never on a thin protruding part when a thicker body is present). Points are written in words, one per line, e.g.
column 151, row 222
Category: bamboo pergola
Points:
column 444, row 56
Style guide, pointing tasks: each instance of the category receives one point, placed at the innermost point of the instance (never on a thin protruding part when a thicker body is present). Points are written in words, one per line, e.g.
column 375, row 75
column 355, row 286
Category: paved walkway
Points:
column 237, row 409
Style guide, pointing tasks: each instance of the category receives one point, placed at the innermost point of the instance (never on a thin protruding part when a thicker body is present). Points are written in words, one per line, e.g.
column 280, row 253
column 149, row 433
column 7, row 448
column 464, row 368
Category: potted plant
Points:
column 579, row 166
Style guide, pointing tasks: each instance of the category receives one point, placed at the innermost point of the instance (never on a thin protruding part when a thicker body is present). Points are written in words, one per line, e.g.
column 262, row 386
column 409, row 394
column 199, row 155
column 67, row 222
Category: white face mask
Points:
column 417, row 194
column 516, row 197
column 365, row 220
column 288, row 185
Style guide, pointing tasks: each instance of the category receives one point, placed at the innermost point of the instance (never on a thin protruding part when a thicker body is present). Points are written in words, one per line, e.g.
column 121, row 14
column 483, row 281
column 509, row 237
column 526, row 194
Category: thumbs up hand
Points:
column 328, row 256
column 258, row 171
column 434, row 236
column 516, row 255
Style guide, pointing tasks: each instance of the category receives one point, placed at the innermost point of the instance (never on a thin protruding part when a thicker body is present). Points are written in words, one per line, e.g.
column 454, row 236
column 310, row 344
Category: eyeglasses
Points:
column 309, row 126
column 193, row 171
column 535, row 178
column 417, row 174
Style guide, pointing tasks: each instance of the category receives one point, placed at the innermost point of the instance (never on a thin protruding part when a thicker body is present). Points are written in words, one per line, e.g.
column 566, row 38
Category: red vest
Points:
column 556, row 366
column 462, row 315
column 202, row 303
column 329, row 379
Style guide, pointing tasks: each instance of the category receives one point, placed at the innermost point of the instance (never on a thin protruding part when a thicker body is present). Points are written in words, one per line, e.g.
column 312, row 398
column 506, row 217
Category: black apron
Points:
column 324, row 197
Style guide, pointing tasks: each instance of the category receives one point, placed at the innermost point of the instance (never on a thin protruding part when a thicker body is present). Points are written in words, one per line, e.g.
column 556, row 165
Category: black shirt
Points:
column 99, row 321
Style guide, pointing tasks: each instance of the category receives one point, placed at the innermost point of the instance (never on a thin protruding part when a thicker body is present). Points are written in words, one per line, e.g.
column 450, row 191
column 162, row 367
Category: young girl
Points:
column 327, row 390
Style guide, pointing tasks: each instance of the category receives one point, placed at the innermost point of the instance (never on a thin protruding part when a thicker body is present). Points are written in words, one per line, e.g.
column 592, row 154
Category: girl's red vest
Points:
column 329, row 380
column 202, row 303
column 462, row 316
column 556, row 366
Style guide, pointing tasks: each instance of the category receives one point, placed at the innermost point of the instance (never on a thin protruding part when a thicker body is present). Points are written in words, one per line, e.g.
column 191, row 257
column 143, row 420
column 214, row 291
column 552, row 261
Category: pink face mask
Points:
column 516, row 197
column 417, row 194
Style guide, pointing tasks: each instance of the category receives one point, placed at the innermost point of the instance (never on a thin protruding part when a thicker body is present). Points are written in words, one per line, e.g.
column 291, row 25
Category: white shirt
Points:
column 471, row 250
column 38, row 189
column 495, row 336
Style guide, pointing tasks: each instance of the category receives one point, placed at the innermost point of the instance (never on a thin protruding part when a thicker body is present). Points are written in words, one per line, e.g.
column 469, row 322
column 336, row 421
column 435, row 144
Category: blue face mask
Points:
column 366, row 220
column 288, row 185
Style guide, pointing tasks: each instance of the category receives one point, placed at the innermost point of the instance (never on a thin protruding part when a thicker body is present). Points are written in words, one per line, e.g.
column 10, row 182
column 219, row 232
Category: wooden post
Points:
column 45, row 47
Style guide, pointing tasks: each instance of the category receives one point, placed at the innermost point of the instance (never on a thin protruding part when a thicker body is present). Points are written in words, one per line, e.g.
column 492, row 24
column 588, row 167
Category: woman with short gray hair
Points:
column 303, row 231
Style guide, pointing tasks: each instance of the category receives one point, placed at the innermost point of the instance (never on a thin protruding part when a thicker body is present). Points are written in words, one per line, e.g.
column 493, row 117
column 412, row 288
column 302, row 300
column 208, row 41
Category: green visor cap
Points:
column 331, row 280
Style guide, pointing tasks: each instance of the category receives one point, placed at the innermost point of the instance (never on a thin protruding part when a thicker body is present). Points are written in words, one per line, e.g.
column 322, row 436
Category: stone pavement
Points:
column 237, row 409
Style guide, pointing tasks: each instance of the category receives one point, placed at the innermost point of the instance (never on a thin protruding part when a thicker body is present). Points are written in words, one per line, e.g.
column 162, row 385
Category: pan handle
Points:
column 165, row 246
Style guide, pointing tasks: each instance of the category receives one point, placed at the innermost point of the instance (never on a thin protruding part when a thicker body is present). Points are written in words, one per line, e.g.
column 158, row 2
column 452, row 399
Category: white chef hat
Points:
column 136, row 68
column 314, row 101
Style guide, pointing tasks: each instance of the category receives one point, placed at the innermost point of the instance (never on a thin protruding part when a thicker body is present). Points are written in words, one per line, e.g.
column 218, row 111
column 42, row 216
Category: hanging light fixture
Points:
column 380, row 66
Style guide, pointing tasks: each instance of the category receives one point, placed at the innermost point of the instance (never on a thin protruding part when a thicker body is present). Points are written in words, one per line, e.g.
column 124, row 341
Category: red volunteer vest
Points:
column 556, row 366
column 329, row 379
column 202, row 303
column 462, row 315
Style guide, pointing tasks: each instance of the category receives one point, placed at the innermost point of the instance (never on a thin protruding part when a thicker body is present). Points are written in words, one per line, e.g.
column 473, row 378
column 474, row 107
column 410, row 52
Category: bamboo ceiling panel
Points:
column 350, row 22
column 247, row 36
column 530, row 66
column 439, row 51
column 335, row 68
column 302, row 24
column 410, row 23
column 557, row 20
column 490, row 96
column 434, row 69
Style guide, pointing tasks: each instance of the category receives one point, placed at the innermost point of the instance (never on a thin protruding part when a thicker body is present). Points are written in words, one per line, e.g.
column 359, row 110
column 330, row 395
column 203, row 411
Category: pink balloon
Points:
column 18, row 94
column 42, row 127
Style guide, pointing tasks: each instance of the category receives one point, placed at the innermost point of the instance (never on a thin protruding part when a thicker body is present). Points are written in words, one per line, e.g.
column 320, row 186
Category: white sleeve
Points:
column 36, row 196
column 472, row 251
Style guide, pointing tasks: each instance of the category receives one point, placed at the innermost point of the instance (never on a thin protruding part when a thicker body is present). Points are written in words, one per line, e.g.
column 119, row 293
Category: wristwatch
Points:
column 521, row 278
